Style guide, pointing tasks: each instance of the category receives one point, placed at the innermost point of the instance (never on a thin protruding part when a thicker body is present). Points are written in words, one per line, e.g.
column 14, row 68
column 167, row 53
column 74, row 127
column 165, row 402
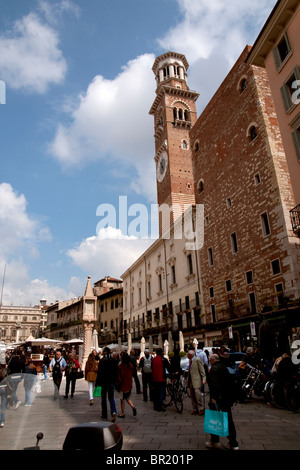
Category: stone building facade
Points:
column 249, row 261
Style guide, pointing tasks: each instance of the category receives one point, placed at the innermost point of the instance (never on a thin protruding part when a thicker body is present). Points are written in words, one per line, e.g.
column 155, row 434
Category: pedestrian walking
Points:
column 57, row 366
column 125, row 376
column 71, row 370
column 196, row 380
column 107, row 376
column 221, row 398
column 159, row 366
column 146, row 369
column 30, row 379
column 90, row 374
column 16, row 368
column 135, row 375
column 46, row 362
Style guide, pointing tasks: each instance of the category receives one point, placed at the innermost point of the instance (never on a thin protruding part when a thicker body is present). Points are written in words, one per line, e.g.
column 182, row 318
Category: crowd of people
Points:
column 116, row 373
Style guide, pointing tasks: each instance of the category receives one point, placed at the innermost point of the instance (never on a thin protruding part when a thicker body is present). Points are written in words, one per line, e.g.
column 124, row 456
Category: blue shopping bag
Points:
column 216, row 422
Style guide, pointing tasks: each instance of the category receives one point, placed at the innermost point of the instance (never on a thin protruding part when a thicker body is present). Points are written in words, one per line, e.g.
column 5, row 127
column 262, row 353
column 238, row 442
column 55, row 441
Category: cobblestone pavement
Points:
column 259, row 425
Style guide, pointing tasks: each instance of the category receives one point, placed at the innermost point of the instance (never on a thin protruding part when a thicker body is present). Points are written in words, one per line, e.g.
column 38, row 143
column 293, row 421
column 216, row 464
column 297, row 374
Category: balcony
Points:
column 295, row 219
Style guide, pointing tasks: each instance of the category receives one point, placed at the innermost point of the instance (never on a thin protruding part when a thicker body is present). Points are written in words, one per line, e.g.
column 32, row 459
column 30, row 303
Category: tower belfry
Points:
column 174, row 112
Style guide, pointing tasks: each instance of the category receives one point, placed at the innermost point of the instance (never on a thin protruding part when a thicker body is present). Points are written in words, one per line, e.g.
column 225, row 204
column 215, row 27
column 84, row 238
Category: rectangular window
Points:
column 289, row 90
column 275, row 265
column 213, row 313
column 234, row 245
column 190, row 264
column 257, row 179
column 265, row 224
column 211, row 292
column 159, row 283
column 149, row 289
column 249, row 277
column 210, row 257
column 173, row 275
column 252, row 302
column 281, row 51
column 228, row 285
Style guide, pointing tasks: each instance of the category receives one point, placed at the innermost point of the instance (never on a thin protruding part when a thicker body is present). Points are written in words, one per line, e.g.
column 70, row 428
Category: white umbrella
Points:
column 195, row 343
column 44, row 341
column 166, row 348
column 129, row 343
column 142, row 347
column 171, row 342
column 73, row 341
column 181, row 341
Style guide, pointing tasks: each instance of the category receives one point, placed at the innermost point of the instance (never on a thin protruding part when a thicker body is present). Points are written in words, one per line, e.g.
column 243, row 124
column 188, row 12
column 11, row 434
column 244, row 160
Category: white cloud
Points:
column 108, row 254
column 20, row 236
column 30, row 56
column 16, row 227
column 212, row 35
column 19, row 288
column 112, row 122
column 215, row 25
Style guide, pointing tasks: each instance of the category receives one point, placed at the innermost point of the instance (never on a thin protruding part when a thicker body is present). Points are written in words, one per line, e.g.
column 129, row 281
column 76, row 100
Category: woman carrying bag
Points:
column 90, row 374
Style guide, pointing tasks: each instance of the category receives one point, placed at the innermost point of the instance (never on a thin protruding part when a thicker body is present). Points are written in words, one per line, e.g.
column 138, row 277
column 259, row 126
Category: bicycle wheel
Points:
column 178, row 402
column 292, row 396
column 277, row 395
column 168, row 400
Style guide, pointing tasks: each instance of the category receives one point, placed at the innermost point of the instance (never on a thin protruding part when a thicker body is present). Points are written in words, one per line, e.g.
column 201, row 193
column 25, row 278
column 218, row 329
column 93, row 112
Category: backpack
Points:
column 147, row 365
column 56, row 368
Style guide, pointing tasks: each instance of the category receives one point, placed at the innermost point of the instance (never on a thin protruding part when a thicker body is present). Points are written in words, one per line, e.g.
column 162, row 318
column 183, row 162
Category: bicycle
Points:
column 184, row 384
column 174, row 392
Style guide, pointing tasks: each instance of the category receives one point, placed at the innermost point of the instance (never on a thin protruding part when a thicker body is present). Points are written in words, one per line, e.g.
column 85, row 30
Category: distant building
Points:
column 18, row 322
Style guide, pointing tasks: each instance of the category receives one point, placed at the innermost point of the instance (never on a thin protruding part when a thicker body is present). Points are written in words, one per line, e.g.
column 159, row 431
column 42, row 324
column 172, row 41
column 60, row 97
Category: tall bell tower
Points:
column 174, row 112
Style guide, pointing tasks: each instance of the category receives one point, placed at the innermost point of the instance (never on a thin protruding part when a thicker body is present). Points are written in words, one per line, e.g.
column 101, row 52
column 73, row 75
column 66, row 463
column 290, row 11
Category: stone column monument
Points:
column 88, row 319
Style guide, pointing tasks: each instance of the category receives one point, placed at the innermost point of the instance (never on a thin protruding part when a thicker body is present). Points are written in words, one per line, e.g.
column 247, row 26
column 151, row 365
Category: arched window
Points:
column 196, row 146
column 200, row 186
column 252, row 132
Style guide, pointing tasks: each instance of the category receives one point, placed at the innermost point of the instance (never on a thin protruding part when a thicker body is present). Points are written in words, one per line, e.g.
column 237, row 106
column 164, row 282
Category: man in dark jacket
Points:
column 106, row 378
column 221, row 398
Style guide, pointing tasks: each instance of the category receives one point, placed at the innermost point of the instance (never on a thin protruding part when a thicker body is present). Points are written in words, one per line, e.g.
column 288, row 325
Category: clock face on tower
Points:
column 162, row 166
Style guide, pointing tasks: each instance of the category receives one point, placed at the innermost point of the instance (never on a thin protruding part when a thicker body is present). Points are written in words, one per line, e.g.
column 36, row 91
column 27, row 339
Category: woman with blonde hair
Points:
column 90, row 374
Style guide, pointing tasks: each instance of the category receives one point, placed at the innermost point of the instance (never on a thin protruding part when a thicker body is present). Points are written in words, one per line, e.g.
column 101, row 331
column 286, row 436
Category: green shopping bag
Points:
column 216, row 422
column 97, row 391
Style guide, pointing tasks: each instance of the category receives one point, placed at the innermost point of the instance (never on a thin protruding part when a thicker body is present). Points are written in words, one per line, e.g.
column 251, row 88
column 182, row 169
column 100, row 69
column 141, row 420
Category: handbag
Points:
column 216, row 422
column 97, row 391
column 79, row 375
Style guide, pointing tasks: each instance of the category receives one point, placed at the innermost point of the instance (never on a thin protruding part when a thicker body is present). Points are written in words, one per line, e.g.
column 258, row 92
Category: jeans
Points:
column 108, row 390
column 45, row 371
column 147, row 382
column 27, row 395
column 14, row 381
column 3, row 403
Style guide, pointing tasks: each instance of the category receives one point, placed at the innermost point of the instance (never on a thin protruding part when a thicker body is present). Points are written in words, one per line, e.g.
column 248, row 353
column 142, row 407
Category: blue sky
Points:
column 75, row 131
